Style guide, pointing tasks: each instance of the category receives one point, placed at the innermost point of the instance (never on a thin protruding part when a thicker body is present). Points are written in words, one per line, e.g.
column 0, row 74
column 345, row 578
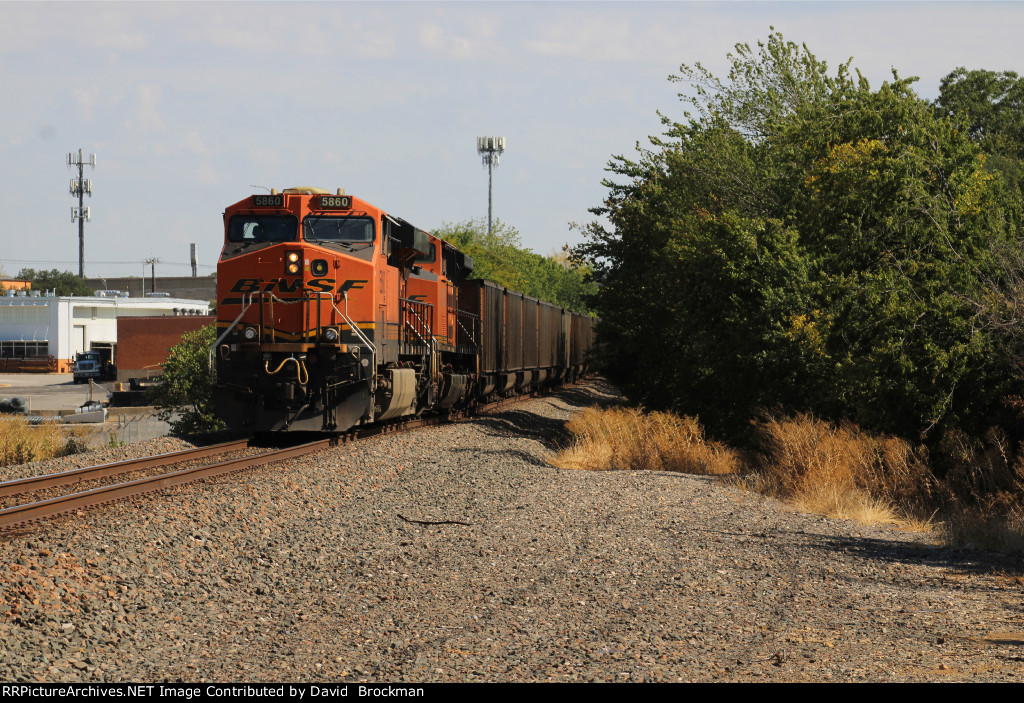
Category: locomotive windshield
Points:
column 262, row 228
column 330, row 228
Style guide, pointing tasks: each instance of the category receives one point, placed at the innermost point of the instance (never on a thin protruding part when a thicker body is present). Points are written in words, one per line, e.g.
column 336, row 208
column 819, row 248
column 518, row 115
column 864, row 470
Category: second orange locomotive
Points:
column 332, row 313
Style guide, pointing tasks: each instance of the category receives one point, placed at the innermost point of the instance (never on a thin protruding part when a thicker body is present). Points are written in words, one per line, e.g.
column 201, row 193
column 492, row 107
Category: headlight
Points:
column 250, row 334
column 293, row 263
column 331, row 335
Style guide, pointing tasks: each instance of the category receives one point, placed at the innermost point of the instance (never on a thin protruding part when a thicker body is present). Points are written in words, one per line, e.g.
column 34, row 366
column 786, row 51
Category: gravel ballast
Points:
column 458, row 554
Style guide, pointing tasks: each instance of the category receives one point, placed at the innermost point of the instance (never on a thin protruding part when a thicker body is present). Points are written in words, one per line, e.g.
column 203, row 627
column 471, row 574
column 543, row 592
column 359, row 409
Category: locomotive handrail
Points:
column 344, row 316
column 410, row 310
column 419, row 336
column 264, row 296
column 245, row 306
column 353, row 326
column 417, row 316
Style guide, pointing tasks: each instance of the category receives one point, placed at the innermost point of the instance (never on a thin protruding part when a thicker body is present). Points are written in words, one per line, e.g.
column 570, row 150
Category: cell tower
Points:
column 81, row 186
column 490, row 149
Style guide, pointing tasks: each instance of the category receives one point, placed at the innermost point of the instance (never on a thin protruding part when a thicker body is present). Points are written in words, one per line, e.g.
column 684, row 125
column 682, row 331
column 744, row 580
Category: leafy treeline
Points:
column 801, row 241
column 63, row 282
column 500, row 257
column 990, row 106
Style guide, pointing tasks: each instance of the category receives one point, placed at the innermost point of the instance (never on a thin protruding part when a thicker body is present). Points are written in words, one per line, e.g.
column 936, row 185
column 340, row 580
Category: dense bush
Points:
column 803, row 242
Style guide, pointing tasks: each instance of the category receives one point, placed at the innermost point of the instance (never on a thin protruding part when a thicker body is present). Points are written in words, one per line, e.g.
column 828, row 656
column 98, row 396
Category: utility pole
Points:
column 81, row 186
column 490, row 149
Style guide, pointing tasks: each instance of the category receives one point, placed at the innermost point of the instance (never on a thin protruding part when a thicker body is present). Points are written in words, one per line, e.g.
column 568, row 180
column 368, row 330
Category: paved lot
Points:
column 51, row 391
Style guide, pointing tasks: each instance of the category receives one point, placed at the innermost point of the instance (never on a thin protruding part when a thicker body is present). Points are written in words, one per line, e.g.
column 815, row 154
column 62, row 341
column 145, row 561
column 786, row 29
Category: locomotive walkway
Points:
column 457, row 554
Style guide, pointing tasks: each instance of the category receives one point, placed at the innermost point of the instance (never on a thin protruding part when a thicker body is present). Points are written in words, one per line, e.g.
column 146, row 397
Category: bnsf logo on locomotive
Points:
column 325, row 285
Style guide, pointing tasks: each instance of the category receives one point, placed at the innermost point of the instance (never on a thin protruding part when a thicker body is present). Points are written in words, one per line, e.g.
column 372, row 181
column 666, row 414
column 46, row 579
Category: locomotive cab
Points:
column 307, row 287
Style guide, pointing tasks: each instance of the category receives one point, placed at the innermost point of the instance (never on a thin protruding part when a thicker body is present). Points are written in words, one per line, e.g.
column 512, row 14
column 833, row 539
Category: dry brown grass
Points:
column 625, row 438
column 844, row 472
column 839, row 471
column 21, row 443
column 984, row 502
column 996, row 528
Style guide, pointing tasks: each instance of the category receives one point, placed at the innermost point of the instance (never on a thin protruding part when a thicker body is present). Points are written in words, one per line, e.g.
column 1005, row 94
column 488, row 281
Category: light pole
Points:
column 152, row 261
column 490, row 149
column 81, row 186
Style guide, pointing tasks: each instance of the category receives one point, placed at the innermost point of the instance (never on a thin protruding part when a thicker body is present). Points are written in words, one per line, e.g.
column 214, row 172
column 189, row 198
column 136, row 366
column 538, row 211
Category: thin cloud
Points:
column 25, row 28
column 437, row 38
column 382, row 97
column 87, row 99
column 578, row 36
column 206, row 174
column 194, row 144
column 146, row 115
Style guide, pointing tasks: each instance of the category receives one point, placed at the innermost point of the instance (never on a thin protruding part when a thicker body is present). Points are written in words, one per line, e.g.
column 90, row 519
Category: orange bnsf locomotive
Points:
column 333, row 313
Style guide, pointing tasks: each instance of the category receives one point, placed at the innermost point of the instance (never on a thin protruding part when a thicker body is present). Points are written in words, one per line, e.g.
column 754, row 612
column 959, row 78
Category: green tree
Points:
column 495, row 254
column 499, row 256
column 184, row 396
column 990, row 107
column 63, row 282
column 801, row 241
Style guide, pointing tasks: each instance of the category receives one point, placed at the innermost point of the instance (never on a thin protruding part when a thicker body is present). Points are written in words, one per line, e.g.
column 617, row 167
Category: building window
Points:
column 21, row 350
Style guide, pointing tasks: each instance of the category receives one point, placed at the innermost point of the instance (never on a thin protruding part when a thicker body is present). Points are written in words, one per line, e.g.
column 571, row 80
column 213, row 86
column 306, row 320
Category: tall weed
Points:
column 844, row 472
column 626, row 438
column 21, row 442
column 840, row 471
column 984, row 483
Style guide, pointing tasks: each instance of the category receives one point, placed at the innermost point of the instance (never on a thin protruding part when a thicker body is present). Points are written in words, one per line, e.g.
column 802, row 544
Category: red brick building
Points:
column 143, row 342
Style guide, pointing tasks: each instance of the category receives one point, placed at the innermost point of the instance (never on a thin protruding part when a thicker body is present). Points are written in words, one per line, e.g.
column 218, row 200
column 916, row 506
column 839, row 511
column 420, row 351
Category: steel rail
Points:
column 19, row 515
column 38, row 483
column 30, row 512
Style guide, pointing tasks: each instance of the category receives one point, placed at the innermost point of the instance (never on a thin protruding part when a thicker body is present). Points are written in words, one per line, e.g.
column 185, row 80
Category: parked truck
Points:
column 90, row 365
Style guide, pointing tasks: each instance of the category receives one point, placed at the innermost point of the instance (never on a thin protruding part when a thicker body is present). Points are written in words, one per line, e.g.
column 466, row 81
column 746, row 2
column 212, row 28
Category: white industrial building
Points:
column 33, row 324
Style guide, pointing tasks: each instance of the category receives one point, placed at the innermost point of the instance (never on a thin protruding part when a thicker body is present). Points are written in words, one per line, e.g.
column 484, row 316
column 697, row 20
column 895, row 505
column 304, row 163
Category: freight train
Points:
column 333, row 313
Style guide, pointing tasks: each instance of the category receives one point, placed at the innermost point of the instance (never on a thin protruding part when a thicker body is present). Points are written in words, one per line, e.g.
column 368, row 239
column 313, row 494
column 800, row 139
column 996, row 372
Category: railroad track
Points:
column 19, row 515
column 32, row 512
column 118, row 468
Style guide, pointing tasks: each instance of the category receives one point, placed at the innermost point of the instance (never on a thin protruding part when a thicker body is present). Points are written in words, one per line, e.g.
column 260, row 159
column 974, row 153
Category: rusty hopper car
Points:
column 333, row 313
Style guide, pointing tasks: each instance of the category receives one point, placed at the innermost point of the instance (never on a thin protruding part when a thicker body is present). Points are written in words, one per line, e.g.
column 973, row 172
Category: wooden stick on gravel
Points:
column 433, row 522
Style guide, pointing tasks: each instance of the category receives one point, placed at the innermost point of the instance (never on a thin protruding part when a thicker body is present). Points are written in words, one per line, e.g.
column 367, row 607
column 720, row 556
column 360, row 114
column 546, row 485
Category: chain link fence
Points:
column 128, row 427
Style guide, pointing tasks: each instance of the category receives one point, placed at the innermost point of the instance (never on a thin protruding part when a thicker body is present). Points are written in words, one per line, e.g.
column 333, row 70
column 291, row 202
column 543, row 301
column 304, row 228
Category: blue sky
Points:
column 188, row 105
